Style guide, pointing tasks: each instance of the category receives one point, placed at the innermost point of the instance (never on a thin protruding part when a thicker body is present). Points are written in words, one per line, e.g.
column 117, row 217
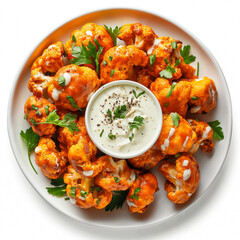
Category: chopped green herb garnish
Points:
column 185, row 54
column 171, row 89
column 104, row 63
column 135, row 94
column 116, row 179
column 83, row 193
column 34, row 107
column 47, row 109
column 25, row 116
column 174, row 45
column 111, row 136
column 175, row 118
column 65, row 52
column 110, row 58
column 31, row 139
column 112, row 72
column 177, row 155
column 197, row 69
column 113, row 33
column 73, row 103
column 101, row 133
column 152, row 59
column 33, row 121
column 177, row 62
column 72, row 192
column 120, row 111
column 168, row 72
column 61, row 81
column 165, row 60
column 60, row 187
column 217, row 130
column 194, row 98
column 38, row 112
column 117, row 201
column 109, row 113
column 136, row 190
column 166, row 104
column 98, row 200
column 66, row 198
column 137, row 122
column 131, row 137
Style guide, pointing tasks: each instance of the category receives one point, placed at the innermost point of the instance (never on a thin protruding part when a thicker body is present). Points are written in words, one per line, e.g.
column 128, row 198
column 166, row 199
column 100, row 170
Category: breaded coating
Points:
column 82, row 156
column 143, row 77
column 182, row 178
column 177, row 101
column 204, row 136
column 84, row 192
column 141, row 192
column 203, row 97
column 115, row 175
column 35, row 110
column 165, row 54
column 137, row 34
column 148, row 159
column 51, row 162
column 175, row 139
column 51, row 59
column 38, row 83
column 78, row 83
column 118, row 63
column 88, row 33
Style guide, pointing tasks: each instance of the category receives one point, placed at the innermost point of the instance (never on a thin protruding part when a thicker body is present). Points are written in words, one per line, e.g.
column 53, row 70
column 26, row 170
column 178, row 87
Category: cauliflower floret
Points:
column 148, row 159
column 88, row 33
column 203, row 97
column 82, row 156
column 38, row 83
column 115, row 175
column 186, row 69
column 165, row 54
column 37, row 110
column 84, row 191
column 137, row 34
column 51, row 59
column 141, row 192
column 174, row 139
column 51, row 162
column 73, row 82
column 204, row 136
column 177, row 101
column 118, row 63
column 182, row 178
column 143, row 77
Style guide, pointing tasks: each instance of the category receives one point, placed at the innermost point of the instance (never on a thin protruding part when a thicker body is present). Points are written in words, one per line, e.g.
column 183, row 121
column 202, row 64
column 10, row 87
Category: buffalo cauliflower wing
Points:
column 203, row 97
column 172, row 98
column 115, row 175
column 148, row 159
column 174, row 139
column 141, row 192
column 137, row 34
column 182, row 178
column 51, row 162
column 73, row 84
column 118, row 63
column 36, row 113
column 83, row 191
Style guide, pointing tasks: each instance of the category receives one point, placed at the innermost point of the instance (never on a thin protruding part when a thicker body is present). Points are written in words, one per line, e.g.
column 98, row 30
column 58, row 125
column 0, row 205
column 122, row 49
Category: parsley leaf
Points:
column 136, row 190
column 112, row 72
column 131, row 137
column 111, row 136
column 166, row 104
column 171, row 89
column 98, row 200
column 101, row 133
column 197, row 69
column 72, row 192
column 175, row 118
column 68, row 121
column 109, row 113
column 31, row 139
column 117, row 201
column 83, row 193
column 137, row 122
column 47, row 109
column 174, row 45
column 110, row 58
column 61, row 81
column 168, row 72
column 73, row 103
column 116, row 179
column 135, row 94
column 194, row 98
column 85, row 54
column 120, row 111
column 152, row 59
column 60, row 187
column 104, row 63
column 34, row 107
column 113, row 33
column 217, row 130
column 177, row 62
column 185, row 54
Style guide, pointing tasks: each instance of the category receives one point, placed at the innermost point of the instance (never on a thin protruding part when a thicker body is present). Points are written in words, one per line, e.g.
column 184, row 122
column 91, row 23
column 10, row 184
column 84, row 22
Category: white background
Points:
column 24, row 214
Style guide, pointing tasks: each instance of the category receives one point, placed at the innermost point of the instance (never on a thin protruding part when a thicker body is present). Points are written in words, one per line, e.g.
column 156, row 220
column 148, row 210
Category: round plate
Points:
column 161, row 209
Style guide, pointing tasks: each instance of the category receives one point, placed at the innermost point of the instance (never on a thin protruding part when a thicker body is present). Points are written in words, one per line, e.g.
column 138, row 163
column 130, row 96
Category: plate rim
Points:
column 156, row 14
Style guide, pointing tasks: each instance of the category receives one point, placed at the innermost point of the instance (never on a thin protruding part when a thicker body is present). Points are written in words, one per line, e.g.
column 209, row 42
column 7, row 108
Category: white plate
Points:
column 161, row 209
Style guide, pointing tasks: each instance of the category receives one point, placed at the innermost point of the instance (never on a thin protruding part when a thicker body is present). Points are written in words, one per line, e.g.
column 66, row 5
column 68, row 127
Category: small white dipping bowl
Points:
column 97, row 141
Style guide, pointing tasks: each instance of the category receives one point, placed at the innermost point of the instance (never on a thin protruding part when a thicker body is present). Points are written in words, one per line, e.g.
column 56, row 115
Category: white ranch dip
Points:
column 122, row 122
